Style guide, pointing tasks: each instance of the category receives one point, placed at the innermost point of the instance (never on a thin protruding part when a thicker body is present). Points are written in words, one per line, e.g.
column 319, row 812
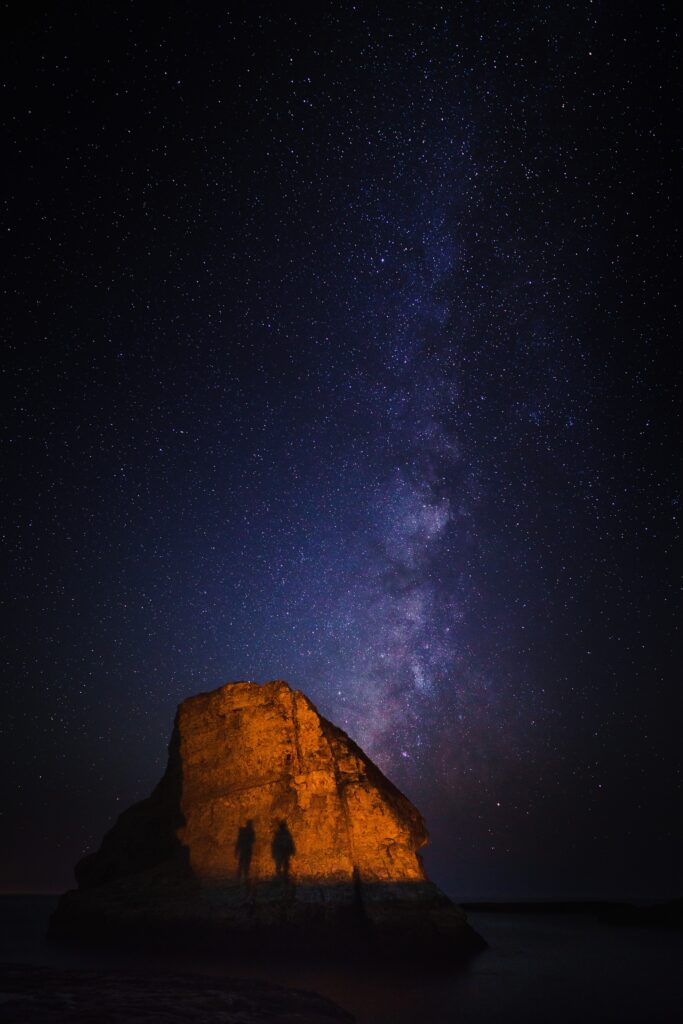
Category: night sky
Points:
column 340, row 347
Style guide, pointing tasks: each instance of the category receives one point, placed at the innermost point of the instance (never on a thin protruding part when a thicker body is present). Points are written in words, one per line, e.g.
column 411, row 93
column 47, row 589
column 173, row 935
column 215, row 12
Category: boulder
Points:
column 269, row 828
column 45, row 995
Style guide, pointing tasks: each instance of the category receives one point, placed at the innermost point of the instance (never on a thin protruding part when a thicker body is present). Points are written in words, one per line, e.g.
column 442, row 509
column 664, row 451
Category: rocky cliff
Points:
column 268, row 819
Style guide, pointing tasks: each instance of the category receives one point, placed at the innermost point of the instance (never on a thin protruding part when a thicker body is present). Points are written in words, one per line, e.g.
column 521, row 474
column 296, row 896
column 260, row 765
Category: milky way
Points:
column 337, row 352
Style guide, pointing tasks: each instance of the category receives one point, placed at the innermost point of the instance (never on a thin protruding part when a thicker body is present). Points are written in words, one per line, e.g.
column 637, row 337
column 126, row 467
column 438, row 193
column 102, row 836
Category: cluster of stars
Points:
column 336, row 354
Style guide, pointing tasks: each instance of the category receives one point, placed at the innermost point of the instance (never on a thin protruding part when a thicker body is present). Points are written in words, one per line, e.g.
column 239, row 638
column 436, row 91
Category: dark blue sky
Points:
column 340, row 349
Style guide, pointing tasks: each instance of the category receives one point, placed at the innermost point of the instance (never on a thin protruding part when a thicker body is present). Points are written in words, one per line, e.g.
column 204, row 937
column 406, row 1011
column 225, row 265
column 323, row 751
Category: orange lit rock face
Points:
column 254, row 757
column 270, row 829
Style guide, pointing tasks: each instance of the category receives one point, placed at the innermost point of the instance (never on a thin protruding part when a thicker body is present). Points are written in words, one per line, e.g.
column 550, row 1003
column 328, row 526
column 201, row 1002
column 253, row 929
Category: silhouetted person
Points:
column 244, row 848
column 282, row 848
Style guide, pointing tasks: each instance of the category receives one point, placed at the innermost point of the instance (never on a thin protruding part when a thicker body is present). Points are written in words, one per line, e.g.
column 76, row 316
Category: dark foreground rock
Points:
column 40, row 995
column 271, row 830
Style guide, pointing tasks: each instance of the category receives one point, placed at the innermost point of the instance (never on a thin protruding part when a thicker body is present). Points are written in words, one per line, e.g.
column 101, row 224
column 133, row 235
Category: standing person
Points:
column 283, row 850
column 244, row 847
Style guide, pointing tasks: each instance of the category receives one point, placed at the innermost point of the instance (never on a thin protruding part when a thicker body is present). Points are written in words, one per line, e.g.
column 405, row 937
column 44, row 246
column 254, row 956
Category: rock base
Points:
column 403, row 920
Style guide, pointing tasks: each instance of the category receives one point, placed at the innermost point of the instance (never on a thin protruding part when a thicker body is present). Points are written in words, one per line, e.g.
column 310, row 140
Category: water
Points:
column 539, row 968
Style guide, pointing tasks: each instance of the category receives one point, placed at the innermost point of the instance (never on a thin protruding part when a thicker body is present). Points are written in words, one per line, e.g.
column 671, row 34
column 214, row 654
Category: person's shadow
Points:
column 283, row 849
column 244, row 847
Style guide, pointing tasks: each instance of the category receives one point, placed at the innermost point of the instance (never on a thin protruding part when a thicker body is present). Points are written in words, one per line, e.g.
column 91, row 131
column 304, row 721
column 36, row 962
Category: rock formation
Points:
column 62, row 995
column 268, row 821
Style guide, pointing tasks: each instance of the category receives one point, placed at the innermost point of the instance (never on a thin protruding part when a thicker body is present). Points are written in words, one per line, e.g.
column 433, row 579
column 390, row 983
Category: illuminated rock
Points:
column 267, row 815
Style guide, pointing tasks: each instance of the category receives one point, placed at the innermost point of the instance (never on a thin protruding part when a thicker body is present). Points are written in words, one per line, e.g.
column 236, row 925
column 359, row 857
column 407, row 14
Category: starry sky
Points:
column 340, row 348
